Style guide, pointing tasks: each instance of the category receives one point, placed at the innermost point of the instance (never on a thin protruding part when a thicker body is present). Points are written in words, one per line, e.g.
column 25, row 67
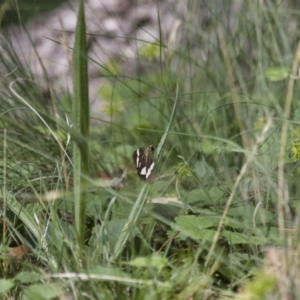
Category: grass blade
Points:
column 81, row 124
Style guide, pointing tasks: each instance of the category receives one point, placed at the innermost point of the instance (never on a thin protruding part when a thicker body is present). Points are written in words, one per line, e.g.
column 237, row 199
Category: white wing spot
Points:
column 150, row 170
column 143, row 171
column 137, row 157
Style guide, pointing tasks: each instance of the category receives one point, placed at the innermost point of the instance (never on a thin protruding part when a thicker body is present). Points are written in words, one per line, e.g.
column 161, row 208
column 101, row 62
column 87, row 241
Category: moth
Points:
column 144, row 163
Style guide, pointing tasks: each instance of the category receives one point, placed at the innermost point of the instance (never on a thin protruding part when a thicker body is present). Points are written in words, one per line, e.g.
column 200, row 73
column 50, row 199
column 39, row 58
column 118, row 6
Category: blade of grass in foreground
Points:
column 140, row 202
column 26, row 217
column 81, row 124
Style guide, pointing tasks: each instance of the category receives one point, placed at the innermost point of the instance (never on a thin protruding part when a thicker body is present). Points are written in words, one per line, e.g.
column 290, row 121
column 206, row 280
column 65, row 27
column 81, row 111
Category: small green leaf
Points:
column 111, row 67
column 182, row 171
column 193, row 222
column 277, row 73
column 5, row 285
column 193, row 227
column 150, row 51
column 273, row 236
column 154, row 261
column 235, row 237
column 295, row 149
column 258, row 240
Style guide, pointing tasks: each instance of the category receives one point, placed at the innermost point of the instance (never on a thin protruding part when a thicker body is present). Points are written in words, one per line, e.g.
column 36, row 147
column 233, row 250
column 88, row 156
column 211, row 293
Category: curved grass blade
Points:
column 27, row 219
column 131, row 222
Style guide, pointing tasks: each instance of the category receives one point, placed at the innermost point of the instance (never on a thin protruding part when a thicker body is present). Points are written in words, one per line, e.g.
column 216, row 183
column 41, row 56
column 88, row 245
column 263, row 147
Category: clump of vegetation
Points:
column 219, row 109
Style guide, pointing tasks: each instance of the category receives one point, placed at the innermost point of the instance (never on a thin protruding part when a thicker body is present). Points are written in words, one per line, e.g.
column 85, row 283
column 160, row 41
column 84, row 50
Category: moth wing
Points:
column 137, row 157
column 143, row 162
column 146, row 165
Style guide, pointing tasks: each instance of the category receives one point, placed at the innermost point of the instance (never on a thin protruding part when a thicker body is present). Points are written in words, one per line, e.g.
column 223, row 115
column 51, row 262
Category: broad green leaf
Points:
column 238, row 259
column 235, row 237
column 214, row 196
column 26, row 277
column 229, row 222
column 258, row 240
column 197, row 196
column 247, row 212
column 203, row 235
column 42, row 292
column 5, row 285
column 273, row 236
column 194, row 227
column 193, row 222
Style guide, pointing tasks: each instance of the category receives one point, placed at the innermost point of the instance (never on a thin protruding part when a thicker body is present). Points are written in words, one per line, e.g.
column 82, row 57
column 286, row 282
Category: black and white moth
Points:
column 144, row 163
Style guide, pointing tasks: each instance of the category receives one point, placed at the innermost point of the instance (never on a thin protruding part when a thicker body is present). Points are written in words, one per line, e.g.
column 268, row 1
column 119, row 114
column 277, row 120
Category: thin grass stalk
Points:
column 4, row 187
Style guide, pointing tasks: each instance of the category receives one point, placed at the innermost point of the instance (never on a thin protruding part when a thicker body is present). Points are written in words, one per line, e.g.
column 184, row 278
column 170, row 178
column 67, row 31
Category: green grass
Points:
column 222, row 111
